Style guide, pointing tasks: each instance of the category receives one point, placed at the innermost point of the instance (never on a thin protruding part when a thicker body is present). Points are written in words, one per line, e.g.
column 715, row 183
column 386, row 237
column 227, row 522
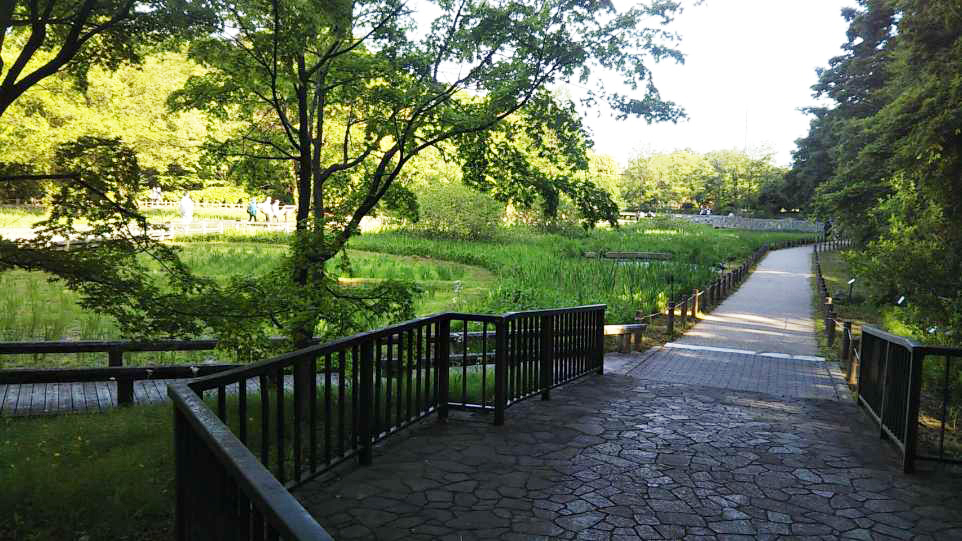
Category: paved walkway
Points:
column 738, row 431
column 614, row 457
column 770, row 312
column 760, row 339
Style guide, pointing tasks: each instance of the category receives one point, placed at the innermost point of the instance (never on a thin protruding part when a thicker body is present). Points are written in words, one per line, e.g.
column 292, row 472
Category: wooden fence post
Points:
column 500, row 370
column 912, row 410
column 125, row 392
column 694, row 304
column 547, row 356
column 684, row 312
column 671, row 319
column 846, row 352
column 599, row 321
column 444, row 367
column 115, row 358
column 365, row 402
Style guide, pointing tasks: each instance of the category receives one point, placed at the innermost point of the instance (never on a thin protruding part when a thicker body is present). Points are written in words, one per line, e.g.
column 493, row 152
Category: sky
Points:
column 751, row 59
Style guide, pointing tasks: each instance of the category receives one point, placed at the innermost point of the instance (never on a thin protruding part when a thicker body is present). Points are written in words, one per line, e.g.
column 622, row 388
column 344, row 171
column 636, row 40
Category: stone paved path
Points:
column 736, row 432
column 614, row 457
column 780, row 376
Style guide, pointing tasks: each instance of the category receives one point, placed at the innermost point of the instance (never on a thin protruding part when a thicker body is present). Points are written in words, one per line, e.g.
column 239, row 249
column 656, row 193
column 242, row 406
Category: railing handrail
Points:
column 256, row 481
column 15, row 376
column 923, row 349
column 267, row 365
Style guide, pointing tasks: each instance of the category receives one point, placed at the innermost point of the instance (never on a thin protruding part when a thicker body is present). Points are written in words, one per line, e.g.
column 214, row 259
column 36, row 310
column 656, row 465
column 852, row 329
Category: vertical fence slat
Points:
column 500, row 365
column 328, row 423
column 443, row 364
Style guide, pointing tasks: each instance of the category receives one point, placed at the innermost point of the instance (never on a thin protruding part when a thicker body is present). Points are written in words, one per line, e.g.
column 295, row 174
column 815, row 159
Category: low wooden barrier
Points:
column 235, row 462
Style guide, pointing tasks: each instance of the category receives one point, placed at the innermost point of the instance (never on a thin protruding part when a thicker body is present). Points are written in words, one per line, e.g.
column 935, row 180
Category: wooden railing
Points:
column 124, row 377
column 242, row 438
column 885, row 371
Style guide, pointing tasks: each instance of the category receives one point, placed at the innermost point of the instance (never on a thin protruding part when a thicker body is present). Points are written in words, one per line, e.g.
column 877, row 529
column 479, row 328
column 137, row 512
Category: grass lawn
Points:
column 104, row 476
column 109, row 476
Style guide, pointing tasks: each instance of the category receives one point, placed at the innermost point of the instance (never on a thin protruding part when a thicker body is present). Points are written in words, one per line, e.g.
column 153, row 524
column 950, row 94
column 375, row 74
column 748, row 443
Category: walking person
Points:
column 276, row 210
column 266, row 208
column 252, row 210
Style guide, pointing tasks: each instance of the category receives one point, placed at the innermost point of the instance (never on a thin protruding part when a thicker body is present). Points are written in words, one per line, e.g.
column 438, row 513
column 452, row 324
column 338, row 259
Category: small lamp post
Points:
column 851, row 286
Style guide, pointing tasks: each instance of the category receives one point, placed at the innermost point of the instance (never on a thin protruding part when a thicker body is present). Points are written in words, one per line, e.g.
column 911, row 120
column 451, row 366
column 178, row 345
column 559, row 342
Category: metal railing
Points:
column 886, row 372
column 890, row 388
column 246, row 436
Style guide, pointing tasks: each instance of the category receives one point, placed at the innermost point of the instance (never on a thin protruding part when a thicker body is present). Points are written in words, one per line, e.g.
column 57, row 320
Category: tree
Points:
column 83, row 33
column 168, row 145
column 896, row 146
column 353, row 95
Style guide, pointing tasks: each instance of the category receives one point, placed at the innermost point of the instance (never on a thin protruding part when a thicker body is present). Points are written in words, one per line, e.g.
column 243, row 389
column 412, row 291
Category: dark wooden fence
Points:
column 885, row 371
column 889, row 386
column 243, row 441
column 115, row 371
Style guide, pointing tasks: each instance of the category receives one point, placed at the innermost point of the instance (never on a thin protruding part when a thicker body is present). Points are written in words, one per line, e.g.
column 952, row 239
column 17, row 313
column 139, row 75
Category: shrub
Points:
column 452, row 210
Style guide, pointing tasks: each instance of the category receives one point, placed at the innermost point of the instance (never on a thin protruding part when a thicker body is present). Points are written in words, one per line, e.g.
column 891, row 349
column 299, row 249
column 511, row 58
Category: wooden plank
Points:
column 615, row 330
column 51, row 398
column 105, row 398
column 38, row 401
column 66, row 397
column 9, row 399
column 90, row 396
column 79, row 400
column 142, row 392
column 22, row 406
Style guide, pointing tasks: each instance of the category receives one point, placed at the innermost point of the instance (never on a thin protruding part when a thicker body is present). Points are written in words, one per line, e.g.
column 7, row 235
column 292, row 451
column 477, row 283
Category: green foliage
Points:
column 538, row 156
column 894, row 139
column 537, row 270
column 727, row 181
column 454, row 211
column 70, row 36
column 167, row 144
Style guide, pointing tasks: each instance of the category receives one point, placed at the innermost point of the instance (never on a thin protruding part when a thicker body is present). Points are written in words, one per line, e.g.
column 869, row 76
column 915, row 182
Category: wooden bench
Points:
column 630, row 332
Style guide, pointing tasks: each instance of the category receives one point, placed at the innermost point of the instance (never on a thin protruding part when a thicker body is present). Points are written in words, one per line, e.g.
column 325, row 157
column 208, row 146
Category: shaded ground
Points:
column 614, row 457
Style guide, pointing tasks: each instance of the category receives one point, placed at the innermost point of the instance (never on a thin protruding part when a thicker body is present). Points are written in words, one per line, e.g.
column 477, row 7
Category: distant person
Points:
column 276, row 210
column 266, row 208
column 186, row 208
column 708, row 211
column 252, row 210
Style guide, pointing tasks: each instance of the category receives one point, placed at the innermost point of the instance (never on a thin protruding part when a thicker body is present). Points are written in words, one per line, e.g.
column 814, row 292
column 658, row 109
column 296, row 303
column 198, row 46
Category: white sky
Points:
column 754, row 57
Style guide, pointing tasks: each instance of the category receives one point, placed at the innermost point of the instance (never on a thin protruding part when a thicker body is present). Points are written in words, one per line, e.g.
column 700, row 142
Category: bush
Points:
column 452, row 210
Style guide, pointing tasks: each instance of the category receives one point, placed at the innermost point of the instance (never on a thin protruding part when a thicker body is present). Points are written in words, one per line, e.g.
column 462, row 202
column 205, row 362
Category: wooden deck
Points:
column 54, row 398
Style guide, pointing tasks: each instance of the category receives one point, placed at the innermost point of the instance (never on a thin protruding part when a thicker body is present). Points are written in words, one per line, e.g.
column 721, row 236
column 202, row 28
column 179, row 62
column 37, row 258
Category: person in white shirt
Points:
column 186, row 208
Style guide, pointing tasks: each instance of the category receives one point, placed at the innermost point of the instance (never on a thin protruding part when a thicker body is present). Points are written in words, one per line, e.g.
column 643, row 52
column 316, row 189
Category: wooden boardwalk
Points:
column 53, row 398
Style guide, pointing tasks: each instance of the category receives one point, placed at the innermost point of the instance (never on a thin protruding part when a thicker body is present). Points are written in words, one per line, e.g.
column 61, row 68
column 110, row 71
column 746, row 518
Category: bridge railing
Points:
column 889, row 386
column 887, row 373
column 246, row 435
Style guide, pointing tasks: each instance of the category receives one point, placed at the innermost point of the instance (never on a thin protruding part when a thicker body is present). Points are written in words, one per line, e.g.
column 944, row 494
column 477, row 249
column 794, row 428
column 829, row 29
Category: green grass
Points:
column 106, row 476
column 537, row 270
column 109, row 476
